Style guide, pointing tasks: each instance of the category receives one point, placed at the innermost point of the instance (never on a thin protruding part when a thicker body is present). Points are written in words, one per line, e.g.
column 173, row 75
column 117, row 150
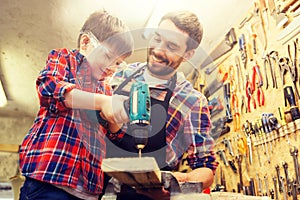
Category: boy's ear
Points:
column 189, row 54
column 84, row 41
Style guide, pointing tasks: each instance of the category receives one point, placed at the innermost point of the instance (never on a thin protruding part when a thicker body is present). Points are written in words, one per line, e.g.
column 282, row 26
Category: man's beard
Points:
column 169, row 68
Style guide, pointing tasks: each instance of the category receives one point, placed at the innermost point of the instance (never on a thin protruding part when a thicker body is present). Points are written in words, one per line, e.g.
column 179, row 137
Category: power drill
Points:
column 139, row 114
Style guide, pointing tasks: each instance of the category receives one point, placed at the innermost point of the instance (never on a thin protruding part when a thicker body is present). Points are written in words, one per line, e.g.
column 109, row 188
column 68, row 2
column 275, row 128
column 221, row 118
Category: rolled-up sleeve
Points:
column 54, row 80
column 198, row 125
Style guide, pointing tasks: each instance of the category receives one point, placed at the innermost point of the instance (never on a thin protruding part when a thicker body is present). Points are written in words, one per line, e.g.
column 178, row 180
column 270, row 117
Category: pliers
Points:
column 259, row 83
column 235, row 107
column 249, row 94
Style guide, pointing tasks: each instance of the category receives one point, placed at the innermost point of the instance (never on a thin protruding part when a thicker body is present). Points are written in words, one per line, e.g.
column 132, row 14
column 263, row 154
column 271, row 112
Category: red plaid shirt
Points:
column 63, row 143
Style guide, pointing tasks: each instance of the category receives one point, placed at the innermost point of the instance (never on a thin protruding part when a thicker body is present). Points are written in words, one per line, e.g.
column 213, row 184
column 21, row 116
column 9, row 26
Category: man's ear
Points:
column 84, row 42
column 189, row 54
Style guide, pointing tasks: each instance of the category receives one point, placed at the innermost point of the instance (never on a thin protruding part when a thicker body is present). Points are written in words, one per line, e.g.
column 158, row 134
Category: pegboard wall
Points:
column 253, row 91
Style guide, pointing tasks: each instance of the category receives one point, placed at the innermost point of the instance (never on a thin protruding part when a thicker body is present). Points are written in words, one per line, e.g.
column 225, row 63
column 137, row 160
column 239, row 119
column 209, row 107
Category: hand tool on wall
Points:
column 262, row 136
column 259, row 185
column 260, row 94
column 247, row 129
column 215, row 106
column 290, row 30
column 219, row 128
column 280, row 183
column 285, row 197
column 226, row 91
column 276, row 197
column 264, row 14
column 249, row 94
column 240, row 184
column 222, row 155
column 274, row 123
column 222, row 48
column 272, row 194
column 272, row 8
column 266, row 129
column 259, row 26
column 245, row 20
column 287, row 179
column 232, row 166
column 252, row 35
column 287, row 5
column 283, row 64
column 239, row 72
column 236, row 112
column 295, row 189
column 249, row 147
column 283, row 67
column 267, row 63
column 273, row 61
column 290, row 98
column 293, row 61
column 250, row 130
column 227, row 144
column 293, row 8
column 244, row 108
column 217, row 83
column 223, row 180
column 243, row 149
column 243, row 50
column 252, row 187
column 294, row 154
column 209, row 70
column 266, row 185
column 196, row 79
column 214, row 86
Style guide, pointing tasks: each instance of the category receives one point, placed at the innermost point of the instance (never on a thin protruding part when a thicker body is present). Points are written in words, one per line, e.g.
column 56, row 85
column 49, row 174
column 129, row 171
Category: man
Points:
column 62, row 153
column 180, row 117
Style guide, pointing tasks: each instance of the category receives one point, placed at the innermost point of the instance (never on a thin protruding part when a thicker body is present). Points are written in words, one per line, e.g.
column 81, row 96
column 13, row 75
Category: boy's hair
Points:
column 109, row 29
column 189, row 23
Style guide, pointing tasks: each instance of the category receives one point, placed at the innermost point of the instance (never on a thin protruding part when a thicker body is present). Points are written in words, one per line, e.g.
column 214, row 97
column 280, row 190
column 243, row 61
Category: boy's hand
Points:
column 113, row 109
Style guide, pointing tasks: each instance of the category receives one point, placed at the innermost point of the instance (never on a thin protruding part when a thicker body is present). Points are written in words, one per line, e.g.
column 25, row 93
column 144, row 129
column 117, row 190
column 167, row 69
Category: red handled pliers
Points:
column 259, row 83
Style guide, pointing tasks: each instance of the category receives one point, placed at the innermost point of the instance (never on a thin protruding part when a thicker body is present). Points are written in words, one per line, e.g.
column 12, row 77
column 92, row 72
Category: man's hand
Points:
column 181, row 177
column 155, row 193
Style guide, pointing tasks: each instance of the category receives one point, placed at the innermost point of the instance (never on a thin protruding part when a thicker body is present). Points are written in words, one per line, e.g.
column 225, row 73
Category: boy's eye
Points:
column 157, row 38
column 108, row 56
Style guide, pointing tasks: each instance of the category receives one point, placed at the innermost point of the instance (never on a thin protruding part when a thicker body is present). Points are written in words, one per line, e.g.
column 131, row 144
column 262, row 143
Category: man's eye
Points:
column 172, row 47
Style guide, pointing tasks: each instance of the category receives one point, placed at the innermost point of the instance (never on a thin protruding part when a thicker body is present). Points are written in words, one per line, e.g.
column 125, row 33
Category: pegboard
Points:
column 268, row 149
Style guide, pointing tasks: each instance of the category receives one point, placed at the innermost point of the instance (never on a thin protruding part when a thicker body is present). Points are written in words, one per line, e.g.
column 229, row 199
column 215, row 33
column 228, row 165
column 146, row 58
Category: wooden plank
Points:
column 135, row 172
column 13, row 148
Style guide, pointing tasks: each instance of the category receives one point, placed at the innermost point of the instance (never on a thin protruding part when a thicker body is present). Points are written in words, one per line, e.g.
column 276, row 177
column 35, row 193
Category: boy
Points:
column 62, row 153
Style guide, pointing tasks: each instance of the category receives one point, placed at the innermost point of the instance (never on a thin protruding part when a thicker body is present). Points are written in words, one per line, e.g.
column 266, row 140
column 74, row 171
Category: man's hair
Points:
column 189, row 23
column 109, row 29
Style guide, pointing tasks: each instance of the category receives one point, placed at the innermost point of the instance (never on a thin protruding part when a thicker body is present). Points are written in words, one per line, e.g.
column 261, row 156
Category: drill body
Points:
column 139, row 114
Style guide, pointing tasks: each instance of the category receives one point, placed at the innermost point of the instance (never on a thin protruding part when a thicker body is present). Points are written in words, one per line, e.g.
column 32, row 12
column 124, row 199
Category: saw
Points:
column 222, row 48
